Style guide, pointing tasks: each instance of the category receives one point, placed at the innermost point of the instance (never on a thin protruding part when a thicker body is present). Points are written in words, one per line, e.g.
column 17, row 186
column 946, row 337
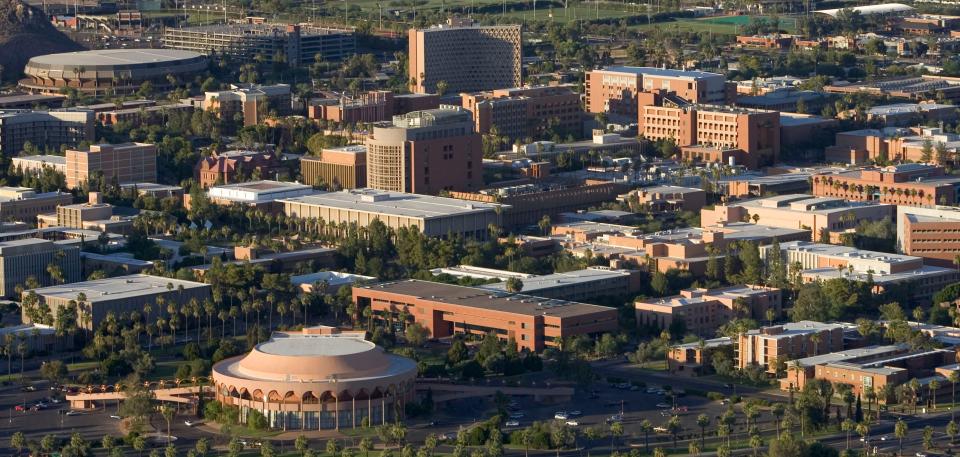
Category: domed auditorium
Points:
column 317, row 379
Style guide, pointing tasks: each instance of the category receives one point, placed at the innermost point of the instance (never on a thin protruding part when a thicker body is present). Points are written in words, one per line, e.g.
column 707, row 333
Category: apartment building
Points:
column 425, row 152
column 432, row 216
column 821, row 262
column 816, row 214
column 768, row 346
column 120, row 295
column 44, row 129
column 930, row 233
column 121, row 163
column 251, row 102
column 340, row 168
column 911, row 184
column 614, row 90
column 373, row 106
column 465, row 56
column 30, row 258
column 526, row 112
column 24, row 204
column 703, row 311
column 300, row 44
column 535, row 323
column 236, row 165
column 710, row 128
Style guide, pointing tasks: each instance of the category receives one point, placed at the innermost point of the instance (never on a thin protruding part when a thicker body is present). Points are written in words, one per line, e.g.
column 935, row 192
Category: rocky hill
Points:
column 24, row 33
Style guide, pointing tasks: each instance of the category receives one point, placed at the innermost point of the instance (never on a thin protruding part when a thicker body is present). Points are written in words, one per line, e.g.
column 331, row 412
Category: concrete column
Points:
column 369, row 411
column 303, row 416
column 336, row 412
column 383, row 409
column 353, row 413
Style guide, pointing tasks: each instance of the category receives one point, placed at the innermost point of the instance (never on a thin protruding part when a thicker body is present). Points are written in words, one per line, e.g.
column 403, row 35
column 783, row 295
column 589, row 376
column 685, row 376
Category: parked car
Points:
column 512, row 423
column 561, row 415
column 615, row 418
column 28, row 389
column 74, row 413
column 572, row 423
column 190, row 423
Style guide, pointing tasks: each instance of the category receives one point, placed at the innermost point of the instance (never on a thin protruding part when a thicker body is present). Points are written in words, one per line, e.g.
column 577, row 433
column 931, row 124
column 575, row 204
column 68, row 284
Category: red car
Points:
column 20, row 408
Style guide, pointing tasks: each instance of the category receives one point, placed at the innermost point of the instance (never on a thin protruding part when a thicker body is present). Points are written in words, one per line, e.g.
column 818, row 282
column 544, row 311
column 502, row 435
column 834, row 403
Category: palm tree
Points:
column 167, row 412
column 848, row 425
column 933, row 387
column 900, row 431
column 703, row 421
column 646, row 427
column 954, row 378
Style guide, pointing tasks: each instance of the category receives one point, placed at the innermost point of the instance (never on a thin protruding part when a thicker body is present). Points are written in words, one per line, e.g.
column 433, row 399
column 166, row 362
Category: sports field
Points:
column 725, row 25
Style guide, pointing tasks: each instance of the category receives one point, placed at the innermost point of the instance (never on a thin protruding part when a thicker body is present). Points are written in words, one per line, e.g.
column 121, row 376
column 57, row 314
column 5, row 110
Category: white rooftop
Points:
column 120, row 287
column 532, row 285
column 393, row 203
column 315, row 345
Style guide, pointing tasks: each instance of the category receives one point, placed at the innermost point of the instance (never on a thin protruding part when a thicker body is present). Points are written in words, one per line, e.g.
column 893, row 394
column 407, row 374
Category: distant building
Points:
column 236, row 166
column 432, row 216
column 908, row 184
column 329, row 282
column 120, row 295
column 535, row 323
column 300, row 45
column 93, row 215
column 30, row 258
column 465, row 56
column 786, row 99
column 658, row 199
column 425, row 152
column 341, row 168
column 142, row 114
column 916, row 88
column 703, row 311
column 906, row 114
column 884, row 271
column 695, row 358
column 373, row 106
column 37, row 338
column 526, row 112
column 43, row 129
column 801, row 211
column 34, row 165
column 248, row 104
column 526, row 204
column 578, row 285
column 769, row 346
column 159, row 191
column 120, row 163
column 894, row 144
column 24, row 204
column 614, row 89
column 930, row 233
column 262, row 195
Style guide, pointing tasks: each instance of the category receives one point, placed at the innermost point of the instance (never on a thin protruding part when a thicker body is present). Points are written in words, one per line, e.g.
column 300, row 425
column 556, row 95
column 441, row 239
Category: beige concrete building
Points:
column 26, row 258
column 433, row 216
column 614, row 89
column 44, row 129
column 702, row 311
column 425, row 152
column 121, row 295
column 340, row 168
column 24, row 204
column 467, row 57
column 123, row 163
column 768, row 345
column 251, row 102
column 34, row 165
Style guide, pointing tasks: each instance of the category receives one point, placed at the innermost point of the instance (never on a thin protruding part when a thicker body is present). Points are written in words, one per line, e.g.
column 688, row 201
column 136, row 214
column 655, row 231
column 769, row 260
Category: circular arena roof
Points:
column 315, row 358
column 106, row 59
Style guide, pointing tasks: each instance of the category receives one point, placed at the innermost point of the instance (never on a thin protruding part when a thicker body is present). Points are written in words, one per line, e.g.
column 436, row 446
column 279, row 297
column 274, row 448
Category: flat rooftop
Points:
column 662, row 72
column 589, row 275
column 114, row 57
column 852, row 354
column 332, row 278
column 118, row 288
column 795, row 328
column 489, row 300
column 261, row 29
column 712, row 343
column 263, row 186
column 846, row 252
column 393, row 203
column 45, row 158
column 315, row 345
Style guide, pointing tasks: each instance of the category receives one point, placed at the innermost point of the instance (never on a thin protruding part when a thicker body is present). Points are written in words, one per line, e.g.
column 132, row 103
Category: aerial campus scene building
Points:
column 494, row 228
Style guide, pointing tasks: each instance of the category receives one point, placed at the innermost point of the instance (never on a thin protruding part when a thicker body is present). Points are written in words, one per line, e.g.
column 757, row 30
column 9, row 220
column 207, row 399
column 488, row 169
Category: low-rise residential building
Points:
column 534, row 323
column 340, row 168
column 432, row 216
column 819, row 215
column 236, row 166
column 820, row 262
column 703, row 311
column 578, row 285
column 113, row 163
column 120, row 295
column 695, row 358
column 909, row 184
column 31, row 258
column 771, row 347
column 667, row 199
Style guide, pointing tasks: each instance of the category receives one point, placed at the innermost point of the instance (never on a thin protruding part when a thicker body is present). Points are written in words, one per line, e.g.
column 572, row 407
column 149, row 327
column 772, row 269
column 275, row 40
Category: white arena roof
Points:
column 883, row 8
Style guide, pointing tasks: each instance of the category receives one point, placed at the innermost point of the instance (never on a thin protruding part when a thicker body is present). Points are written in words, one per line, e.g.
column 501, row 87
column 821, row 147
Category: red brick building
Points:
column 908, row 184
column 236, row 166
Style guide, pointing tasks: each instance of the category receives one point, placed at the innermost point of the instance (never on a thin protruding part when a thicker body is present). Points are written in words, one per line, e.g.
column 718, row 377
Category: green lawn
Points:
column 726, row 25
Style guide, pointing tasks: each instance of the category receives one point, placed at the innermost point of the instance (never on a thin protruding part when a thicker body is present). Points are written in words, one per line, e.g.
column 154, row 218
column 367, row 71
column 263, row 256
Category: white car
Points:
column 561, row 416
column 74, row 413
column 114, row 416
column 572, row 423
column 190, row 423
column 512, row 423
